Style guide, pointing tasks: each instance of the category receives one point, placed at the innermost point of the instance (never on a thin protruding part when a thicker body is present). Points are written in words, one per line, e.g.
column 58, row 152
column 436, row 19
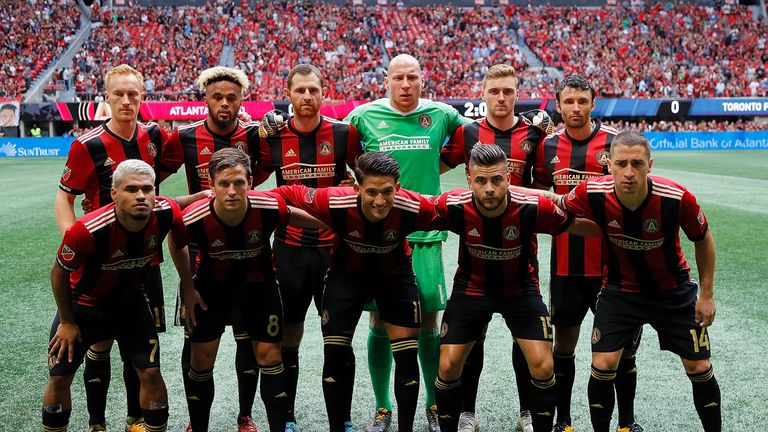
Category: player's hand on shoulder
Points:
column 63, row 342
column 539, row 119
column 244, row 116
column 272, row 122
column 87, row 205
column 705, row 311
column 348, row 181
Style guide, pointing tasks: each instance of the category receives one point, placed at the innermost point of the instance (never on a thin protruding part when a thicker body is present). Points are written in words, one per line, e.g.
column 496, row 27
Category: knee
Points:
column 541, row 367
column 150, row 377
column 268, row 354
column 696, row 366
column 566, row 338
column 376, row 321
column 293, row 335
column 429, row 320
column 450, row 367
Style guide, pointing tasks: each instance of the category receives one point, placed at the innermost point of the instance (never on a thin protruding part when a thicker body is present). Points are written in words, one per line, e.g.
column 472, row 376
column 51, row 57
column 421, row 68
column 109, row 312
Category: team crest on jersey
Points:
column 511, row 232
column 254, row 236
column 443, row 329
column 595, row 335
column 324, row 148
column 390, row 235
column 425, row 120
column 309, row 197
column 66, row 174
column 700, row 217
column 324, row 318
column 602, row 158
column 651, row 226
column 240, row 146
column 67, row 253
column 152, row 149
column 152, row 242
column 526, row 146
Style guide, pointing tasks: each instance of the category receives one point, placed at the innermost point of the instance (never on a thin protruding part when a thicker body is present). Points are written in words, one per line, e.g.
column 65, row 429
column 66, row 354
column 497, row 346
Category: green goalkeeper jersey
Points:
column 414, row 139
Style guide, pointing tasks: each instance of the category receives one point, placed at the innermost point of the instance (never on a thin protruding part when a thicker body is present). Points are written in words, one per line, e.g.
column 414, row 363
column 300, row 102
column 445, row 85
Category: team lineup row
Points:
column 631, row 254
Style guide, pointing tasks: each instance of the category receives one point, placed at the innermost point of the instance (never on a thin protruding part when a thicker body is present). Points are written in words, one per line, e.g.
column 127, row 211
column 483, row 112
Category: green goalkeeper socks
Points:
column 380, row 365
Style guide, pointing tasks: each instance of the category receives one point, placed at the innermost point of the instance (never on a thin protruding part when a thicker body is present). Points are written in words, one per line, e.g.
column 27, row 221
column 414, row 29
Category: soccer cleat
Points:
column 524, row 422
column 433, row 419
column 634, row 427
column 135, row 424
column 381, row 421
column 245, row 424
column 291, row 427
column 562, row 427
column 348, row 426
column 468, row 422
column 102, row 427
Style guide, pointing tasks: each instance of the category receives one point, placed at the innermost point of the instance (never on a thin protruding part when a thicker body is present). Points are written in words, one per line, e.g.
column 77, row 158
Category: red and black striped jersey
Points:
column 94, row 156
column 519, row 143
column 317, row 159
column 107, row 261
column 644, row 252
column 495, row 253
column 194, row 144
column 239, row 254
column 363, row 246
column 562, row 163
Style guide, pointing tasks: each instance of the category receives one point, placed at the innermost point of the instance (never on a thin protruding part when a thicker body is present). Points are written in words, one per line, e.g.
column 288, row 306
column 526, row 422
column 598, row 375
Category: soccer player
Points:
column 648, row 278
column 412, row 130
column 519, row 139
column 234, row 270
column 372, row 260
column 98, row 283
column 91, row 160
column 567, row 158
column 193, row 146
column 314, row 151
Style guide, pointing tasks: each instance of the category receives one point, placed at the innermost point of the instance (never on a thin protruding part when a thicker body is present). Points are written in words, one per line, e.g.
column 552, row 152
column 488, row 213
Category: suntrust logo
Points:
column 10, row 149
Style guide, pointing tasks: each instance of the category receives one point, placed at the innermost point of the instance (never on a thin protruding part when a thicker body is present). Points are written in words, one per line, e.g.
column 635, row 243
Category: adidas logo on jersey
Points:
column 473, row 232
column 205, row 151
column 290, row 153
column 109, row 161
column 383, row 125
column 354, row 234
column 217, row 243
column 555, row 160
column 118, row 253
column 614, row 224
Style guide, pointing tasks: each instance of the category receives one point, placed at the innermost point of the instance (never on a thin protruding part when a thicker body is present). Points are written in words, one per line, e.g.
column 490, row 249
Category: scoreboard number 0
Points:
column 675, row 107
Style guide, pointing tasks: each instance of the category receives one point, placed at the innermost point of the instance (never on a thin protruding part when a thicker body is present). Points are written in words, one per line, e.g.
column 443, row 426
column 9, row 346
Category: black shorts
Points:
column 301, row 272
column 255, row 309
column 465, row 317
column 571, row 296
column 671, row 314
column 345, row 295
column 131, row 325
column 153, row 287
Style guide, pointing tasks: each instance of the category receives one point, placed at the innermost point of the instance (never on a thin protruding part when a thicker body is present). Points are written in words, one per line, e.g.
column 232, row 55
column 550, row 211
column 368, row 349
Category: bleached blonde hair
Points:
column 221, row 73
column 131, row 167
column 124, row 69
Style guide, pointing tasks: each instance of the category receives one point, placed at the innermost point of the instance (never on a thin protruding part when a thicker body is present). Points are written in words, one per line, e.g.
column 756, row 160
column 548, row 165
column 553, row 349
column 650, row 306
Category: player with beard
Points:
column 314, row 151
column 193, row 146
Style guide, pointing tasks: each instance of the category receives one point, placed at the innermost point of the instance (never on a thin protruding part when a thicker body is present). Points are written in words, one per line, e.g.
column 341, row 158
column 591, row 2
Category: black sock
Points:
column 626, row 384
column 522, row 376
column 338, row 373
column 291, row 363
column 448, row 395
column 55, row 419
column 601, row 398
column 706, row 399
column 565, row 373
column 200, row 391
column 96, row 376
column 470, row 375
column 157, row 420
column 543, row 396
column 273, row 395
column 247, row 373
column 132, row 390
column 405, row 353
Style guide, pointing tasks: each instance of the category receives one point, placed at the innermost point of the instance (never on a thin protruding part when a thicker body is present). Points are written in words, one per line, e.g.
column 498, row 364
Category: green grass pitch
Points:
column 731, row 187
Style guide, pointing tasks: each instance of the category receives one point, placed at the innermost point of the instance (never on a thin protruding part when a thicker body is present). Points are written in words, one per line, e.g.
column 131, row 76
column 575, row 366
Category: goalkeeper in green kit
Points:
column 412, row 130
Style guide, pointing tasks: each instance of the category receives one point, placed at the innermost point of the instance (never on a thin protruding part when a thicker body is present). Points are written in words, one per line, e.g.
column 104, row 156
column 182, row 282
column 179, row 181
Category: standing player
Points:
column 495, row 274
column 193, row 146
column 314, row 151
column 234, row 269
column 98, row 283
column 412, row 130
column 519, row 140
column 648, row 279
column 576, row 154
column 372, row 260
column 91, row 160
